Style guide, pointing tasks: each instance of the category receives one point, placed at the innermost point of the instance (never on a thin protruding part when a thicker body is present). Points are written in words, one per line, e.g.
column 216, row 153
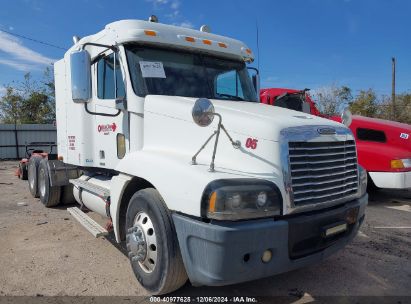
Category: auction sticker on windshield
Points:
column 150, row 69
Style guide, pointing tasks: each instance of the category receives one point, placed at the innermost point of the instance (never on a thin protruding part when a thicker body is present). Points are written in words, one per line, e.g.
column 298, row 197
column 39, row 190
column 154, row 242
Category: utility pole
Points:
column 393, row 89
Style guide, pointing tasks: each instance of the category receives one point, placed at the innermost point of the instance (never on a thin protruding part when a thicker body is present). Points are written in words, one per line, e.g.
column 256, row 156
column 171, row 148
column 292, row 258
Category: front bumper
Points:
column 222, row 253
column 391, row 180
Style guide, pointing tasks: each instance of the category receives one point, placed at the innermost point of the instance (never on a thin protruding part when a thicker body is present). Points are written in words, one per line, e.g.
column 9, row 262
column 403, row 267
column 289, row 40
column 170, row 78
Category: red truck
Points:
column 384, row 147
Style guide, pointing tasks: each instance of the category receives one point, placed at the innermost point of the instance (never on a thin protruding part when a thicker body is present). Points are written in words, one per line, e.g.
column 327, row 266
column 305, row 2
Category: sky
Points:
column 302, row 43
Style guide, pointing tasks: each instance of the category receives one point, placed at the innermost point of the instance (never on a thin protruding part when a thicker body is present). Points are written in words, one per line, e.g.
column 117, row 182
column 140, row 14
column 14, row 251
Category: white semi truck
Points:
column 160, row 131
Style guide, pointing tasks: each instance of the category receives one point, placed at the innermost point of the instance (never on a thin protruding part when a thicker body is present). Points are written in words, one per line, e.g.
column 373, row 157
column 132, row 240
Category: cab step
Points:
column 95, row 189
column 87, row 222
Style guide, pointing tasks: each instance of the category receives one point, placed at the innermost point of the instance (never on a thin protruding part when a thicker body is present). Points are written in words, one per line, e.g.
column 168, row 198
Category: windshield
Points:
column 175, row 73
column 290, row 101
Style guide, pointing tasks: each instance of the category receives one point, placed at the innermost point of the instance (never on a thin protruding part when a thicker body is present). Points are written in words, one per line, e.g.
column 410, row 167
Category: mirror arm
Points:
column 194, row 158
column 111, row 47
column 236, row 144
column 211, row 169
column 100, row 114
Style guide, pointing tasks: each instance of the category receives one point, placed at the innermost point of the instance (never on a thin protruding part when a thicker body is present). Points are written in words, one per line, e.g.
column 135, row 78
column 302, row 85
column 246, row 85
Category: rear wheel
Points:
column 49, row 196
column 23, row 171
column 33, row 175
column 152, row 243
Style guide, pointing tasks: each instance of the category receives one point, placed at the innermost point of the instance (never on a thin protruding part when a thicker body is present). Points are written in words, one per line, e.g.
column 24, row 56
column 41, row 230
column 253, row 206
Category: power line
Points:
column 34, row 40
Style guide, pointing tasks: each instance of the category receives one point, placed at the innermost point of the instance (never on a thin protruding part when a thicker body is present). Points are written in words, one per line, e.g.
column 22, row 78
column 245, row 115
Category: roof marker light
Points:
column 190, row 39
column 153, row 18
column 205, row 28
column 208, row 42
column 223, row 45
column 248, row 51
column 150, row 33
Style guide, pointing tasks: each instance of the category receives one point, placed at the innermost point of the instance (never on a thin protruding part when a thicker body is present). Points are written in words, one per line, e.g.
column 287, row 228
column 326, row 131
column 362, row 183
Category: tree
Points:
column 10, row 106
column 403, row 108
column 28, row 101
column 332, row 100
column 365, row 104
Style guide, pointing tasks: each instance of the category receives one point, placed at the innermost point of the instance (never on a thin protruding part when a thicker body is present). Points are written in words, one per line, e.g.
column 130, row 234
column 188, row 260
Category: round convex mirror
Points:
column 346, row 117
column 203, row 112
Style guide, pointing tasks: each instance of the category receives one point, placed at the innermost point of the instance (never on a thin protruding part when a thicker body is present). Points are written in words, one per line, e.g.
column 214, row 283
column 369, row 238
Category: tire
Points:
column 32, row 174
column 23, row 171
column 167, row 273
column 67, row 196
column 49, row 196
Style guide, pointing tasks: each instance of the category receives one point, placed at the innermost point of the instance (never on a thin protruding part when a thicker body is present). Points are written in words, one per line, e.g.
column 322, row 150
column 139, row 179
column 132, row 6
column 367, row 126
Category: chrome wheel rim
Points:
column 142, row 242
column 42, row 183
column 31, row 177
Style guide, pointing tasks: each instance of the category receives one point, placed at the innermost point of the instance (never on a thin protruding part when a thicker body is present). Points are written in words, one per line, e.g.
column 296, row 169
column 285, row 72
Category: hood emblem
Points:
column 326, row 131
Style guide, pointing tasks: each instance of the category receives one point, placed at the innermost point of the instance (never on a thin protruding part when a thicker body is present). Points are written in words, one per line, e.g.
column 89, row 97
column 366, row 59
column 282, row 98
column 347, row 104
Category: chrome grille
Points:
column 322, row 171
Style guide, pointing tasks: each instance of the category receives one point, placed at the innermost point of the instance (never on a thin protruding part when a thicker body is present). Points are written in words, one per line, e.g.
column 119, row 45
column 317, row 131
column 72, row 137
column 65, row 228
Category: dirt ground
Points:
column 46, row 252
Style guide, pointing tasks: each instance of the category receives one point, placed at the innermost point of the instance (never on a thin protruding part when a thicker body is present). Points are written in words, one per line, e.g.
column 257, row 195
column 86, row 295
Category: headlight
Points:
column 362, row 189
column 401, row 163
column 346, row 117
column 235, row 199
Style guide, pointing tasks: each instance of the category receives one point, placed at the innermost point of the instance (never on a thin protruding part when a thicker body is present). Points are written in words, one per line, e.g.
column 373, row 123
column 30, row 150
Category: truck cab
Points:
column 384, row 147
column 160, row 131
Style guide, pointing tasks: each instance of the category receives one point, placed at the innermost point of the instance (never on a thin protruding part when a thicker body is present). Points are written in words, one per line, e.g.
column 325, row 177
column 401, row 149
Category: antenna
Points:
column 258, row 45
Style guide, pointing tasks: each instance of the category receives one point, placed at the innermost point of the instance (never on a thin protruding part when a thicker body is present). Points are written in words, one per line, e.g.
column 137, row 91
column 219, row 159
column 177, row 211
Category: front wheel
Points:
column 152, row 243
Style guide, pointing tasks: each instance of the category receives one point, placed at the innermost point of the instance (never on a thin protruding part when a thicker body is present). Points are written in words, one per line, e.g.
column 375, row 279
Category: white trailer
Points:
column 160, row 131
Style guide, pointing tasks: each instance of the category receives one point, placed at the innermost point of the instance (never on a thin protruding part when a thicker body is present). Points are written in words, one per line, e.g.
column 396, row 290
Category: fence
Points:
column 13, row 138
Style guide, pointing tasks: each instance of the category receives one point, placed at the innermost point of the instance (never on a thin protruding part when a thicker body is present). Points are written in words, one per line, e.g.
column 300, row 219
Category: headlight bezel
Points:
column 248, row 189
column 362, row 181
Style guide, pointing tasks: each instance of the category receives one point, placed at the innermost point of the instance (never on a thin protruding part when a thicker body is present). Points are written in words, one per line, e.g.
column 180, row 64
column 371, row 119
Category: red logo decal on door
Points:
column 107, row 128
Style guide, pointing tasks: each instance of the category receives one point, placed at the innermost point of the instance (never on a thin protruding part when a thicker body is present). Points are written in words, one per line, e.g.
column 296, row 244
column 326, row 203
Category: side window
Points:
column 371, row 135
column 229, row 84
column 109, row 77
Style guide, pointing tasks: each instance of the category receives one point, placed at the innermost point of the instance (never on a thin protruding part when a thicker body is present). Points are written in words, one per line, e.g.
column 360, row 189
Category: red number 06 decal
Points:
column 251, row 143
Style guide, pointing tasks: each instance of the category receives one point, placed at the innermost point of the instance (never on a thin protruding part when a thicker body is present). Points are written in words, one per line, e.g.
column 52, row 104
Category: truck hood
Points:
column 251, row 119
column 398, row 134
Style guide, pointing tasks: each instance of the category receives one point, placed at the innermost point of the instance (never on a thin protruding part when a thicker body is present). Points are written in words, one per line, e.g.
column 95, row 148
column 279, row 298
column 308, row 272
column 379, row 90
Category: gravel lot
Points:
column 46, row 252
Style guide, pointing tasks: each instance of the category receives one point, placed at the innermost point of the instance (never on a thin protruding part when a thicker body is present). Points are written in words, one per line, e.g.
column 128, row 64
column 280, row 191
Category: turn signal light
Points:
column 397, row 164
column 150, row 33
column 213, row 199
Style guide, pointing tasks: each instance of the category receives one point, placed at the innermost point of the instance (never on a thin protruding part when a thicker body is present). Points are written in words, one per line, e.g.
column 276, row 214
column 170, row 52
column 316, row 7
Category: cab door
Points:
column 111, row 124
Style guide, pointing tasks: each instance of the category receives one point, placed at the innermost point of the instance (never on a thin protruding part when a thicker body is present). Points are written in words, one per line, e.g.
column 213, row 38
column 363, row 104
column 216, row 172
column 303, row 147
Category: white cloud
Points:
column 22, row 57
column 14, row 47
column 175, row 4
column 173, row 8
column 187, row 24
column 158, row 2
column 21, row 66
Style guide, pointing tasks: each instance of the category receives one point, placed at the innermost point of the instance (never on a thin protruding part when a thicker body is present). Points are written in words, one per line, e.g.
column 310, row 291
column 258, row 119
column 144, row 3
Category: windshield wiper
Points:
column 231, row 96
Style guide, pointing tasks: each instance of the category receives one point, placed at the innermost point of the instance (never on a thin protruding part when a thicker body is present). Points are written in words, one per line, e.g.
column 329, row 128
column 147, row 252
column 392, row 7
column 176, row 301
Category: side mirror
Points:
column 203, row 112
column 255, row 78
column 80, row 76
